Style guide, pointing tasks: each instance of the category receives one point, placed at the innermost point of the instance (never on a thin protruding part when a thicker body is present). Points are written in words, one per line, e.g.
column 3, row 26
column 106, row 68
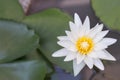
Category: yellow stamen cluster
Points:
column 84, row 45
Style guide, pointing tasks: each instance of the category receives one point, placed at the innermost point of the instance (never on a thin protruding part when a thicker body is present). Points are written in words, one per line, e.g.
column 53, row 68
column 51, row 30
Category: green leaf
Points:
column 33, row 55
column 15, row 40
column 48, row 25
column 37, row 55
column 11, row 9
column 108, row 11
column 29, row 70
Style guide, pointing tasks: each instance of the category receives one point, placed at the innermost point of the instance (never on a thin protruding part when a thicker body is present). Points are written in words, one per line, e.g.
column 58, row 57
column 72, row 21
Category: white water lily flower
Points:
column 85, row 46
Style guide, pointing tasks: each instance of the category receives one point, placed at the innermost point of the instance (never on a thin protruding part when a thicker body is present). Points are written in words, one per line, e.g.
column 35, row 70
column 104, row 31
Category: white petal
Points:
column 86, row 25
column 93, row 55
column 89, row 62
column 100, row 46
column 80, row 58
column 62, row 38
column 82, row 31
column 98, row 63
column 108, row 41
column 95, row 30
column 106, row 55
column 77, row 67
column 60, row 53
column 67, row 44
column 72, row 36
column 100, row 35
column 77, row 20
column 104, row 43
column 74, row 29
column 70, row 57
column 72, row 26
column 101, row 54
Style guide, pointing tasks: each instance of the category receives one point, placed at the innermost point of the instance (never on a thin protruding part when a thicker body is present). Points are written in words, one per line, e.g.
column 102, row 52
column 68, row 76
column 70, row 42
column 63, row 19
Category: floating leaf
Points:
column 15, row 40
column 36, row 55
column 11, row 9
column 29, row 70
column 108, row 11
column 48, row 25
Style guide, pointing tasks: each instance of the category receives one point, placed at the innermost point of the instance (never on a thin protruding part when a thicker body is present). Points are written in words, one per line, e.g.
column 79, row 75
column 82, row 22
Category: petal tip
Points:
column 53, row 55
column 66, row 60
column 115, row 40
column 58, row 37
column 107, row 31
column 102, row 69
column 101, row 26
column 87, row 17
column 76, row 14
column 75, row 74
column 114, row 59
column 58, row 42
column 70, row 22
column 66, row 31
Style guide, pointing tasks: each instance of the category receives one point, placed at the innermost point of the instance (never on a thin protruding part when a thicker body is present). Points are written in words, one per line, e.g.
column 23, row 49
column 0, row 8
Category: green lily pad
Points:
column 36, row 55
column 48, row 25
column 11, row 9
column 15, row 40
column 108, row 11
column 29, row 70
column 33, row 55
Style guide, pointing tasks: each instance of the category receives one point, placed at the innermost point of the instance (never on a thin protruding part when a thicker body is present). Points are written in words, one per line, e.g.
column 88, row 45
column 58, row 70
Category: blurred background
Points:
column 83, row 8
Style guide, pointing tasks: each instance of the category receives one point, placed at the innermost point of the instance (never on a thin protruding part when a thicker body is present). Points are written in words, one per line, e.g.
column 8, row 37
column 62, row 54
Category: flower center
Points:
column 84, row 45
